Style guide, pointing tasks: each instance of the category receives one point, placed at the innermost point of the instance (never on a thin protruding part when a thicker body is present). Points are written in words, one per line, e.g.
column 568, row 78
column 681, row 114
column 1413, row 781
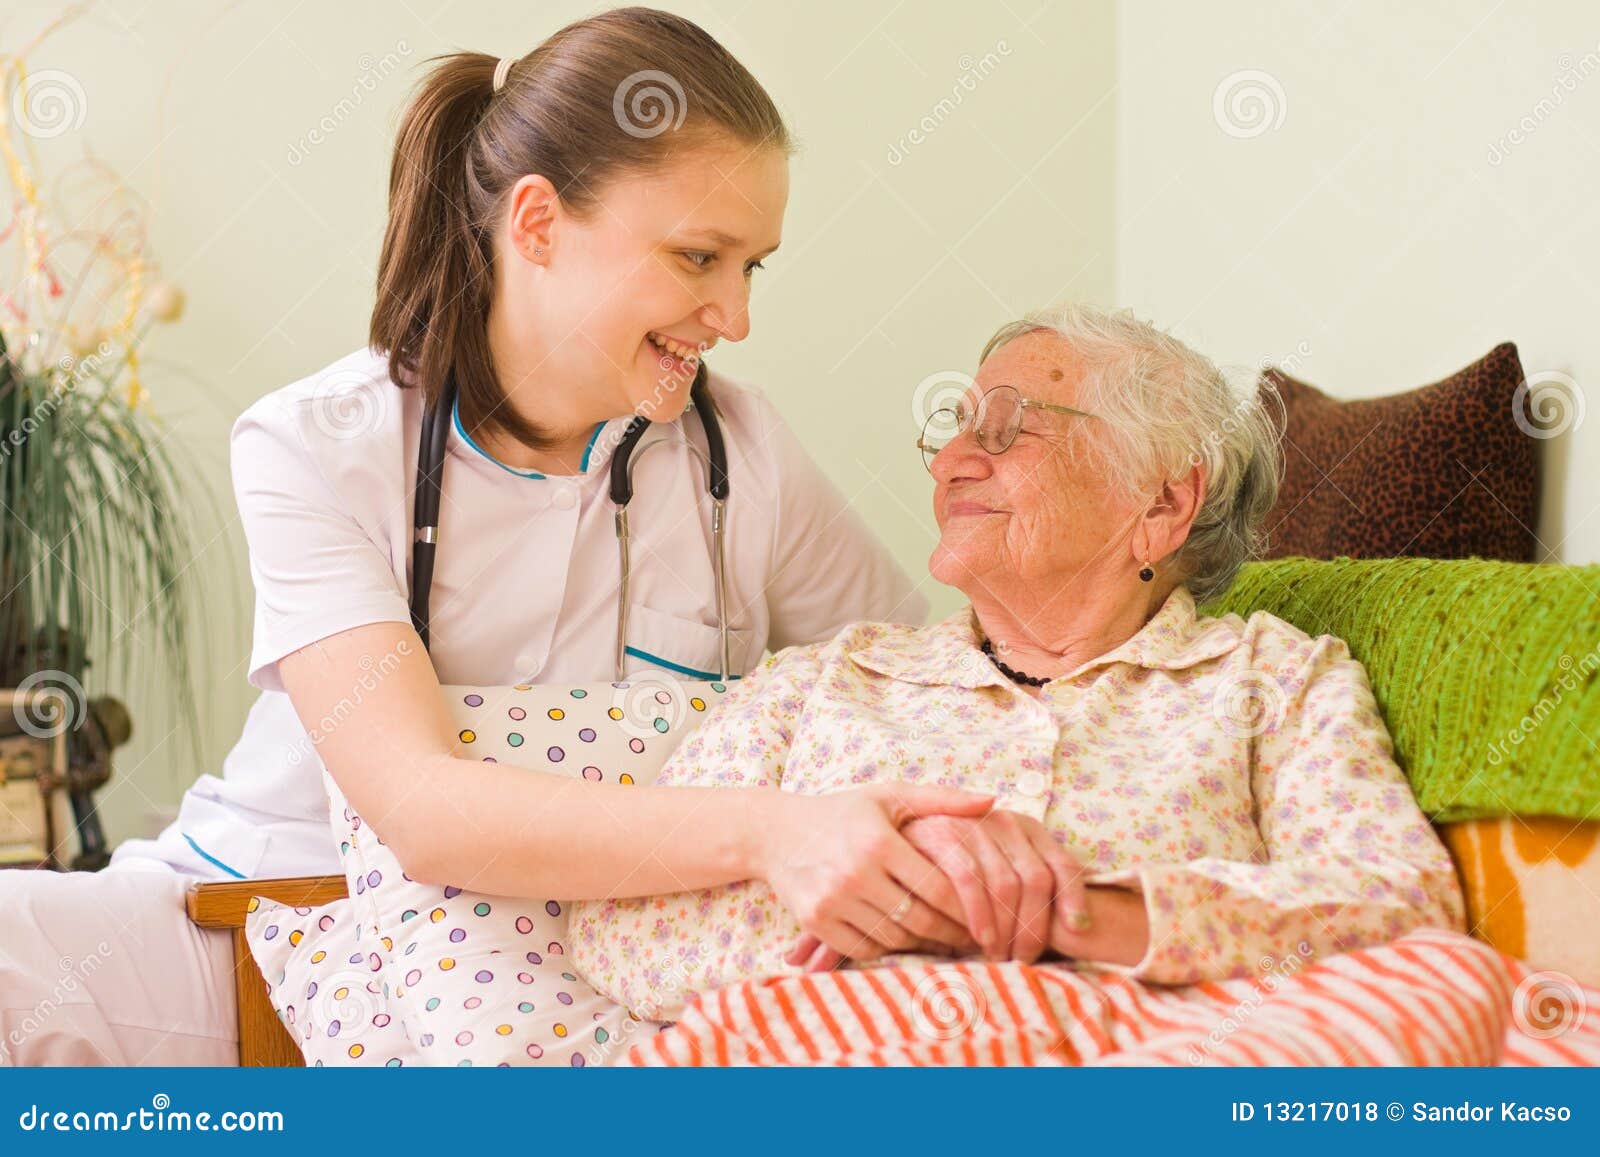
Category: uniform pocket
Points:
column 687, row 647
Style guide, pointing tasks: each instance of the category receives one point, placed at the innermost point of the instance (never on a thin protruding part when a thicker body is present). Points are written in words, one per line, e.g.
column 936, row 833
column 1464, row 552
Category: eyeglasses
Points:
column 996, row 421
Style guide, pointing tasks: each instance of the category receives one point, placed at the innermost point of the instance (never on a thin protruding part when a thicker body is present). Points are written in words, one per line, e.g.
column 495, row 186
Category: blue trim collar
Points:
column 455, row 418
column 583, row 467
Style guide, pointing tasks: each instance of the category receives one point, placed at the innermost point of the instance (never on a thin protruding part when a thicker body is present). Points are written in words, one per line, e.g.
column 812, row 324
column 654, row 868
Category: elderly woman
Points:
column 1177, row 796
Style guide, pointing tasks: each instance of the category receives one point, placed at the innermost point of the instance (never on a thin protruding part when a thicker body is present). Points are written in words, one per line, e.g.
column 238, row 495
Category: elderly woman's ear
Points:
column 1164, row 526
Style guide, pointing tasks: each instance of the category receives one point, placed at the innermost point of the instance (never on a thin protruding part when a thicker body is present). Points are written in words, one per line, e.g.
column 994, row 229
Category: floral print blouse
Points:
column 1235, row 772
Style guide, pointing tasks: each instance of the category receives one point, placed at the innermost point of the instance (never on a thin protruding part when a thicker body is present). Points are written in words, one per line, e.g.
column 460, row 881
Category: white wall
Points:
column 891, row 269
column 1423, row 188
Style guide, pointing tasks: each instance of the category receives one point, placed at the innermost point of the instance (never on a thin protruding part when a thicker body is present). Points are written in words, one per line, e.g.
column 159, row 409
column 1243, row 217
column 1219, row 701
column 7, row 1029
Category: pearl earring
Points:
column 1146, row 573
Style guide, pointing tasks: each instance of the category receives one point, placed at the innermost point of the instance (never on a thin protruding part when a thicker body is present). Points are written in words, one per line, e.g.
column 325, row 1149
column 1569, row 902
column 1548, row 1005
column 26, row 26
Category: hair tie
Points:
column 500, row 71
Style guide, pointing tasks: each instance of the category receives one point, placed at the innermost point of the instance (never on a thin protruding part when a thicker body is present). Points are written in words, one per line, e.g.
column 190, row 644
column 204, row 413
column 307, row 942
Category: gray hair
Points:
column 1166, row 409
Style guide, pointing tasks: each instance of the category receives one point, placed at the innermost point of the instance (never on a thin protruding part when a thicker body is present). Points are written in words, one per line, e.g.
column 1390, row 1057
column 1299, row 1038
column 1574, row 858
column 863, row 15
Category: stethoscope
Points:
column 430, row 475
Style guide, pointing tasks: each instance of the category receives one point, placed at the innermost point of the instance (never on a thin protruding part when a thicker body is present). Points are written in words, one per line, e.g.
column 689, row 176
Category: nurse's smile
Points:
column 675, row 357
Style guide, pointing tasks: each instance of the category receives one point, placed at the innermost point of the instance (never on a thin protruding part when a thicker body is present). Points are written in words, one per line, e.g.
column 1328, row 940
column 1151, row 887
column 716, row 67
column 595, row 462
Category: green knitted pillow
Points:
column 1485, row 671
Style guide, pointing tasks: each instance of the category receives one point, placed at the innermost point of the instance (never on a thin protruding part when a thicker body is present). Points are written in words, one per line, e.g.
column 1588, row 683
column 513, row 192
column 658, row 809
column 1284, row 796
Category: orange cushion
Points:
column 1532, row 886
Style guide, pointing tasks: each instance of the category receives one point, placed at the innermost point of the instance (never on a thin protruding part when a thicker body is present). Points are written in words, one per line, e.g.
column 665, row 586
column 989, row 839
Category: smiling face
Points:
column 625, row 298
column 1038, row 517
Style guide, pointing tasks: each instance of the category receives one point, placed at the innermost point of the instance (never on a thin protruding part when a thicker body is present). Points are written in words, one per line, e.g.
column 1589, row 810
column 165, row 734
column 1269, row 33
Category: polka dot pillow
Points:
column 472, row 979
column 324, row 985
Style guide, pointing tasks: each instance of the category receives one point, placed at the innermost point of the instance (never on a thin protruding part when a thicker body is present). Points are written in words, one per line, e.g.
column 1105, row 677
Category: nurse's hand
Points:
column 842, row 865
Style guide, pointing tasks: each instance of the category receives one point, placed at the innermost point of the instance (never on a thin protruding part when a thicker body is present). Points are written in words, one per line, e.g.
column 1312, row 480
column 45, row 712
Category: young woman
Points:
column 570, row 232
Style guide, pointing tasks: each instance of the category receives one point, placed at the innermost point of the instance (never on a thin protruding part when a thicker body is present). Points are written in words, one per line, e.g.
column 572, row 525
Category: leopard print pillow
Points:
column 1444, row 471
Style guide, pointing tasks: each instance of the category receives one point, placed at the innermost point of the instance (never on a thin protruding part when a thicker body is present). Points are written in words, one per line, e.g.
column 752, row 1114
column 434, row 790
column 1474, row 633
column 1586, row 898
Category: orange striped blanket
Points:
column 1433, row 997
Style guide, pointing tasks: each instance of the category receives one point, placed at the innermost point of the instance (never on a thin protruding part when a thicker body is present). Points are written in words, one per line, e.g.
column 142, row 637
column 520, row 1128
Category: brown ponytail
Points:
column 594, row 102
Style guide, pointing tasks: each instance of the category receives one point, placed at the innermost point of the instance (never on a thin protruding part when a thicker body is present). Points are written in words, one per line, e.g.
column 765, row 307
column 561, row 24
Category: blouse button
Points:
column 565, row 499
column 1030, row 783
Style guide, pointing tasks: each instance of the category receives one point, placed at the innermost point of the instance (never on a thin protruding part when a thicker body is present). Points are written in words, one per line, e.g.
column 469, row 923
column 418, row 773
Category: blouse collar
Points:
column 949, row 653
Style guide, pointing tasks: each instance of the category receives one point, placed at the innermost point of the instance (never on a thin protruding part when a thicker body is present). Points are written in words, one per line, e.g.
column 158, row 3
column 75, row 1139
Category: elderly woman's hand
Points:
column 1020, row 892
column 1119, row 932
column 1018, row 887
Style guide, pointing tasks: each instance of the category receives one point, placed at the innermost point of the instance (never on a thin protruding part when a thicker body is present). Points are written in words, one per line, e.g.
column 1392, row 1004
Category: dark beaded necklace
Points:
column 1010, row 672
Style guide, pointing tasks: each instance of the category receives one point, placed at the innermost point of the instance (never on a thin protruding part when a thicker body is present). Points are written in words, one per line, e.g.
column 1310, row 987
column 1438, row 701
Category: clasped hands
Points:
column 995, row 884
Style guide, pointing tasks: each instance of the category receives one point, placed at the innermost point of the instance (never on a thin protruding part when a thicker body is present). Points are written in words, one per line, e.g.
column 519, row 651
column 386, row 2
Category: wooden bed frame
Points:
column 263, row 1040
